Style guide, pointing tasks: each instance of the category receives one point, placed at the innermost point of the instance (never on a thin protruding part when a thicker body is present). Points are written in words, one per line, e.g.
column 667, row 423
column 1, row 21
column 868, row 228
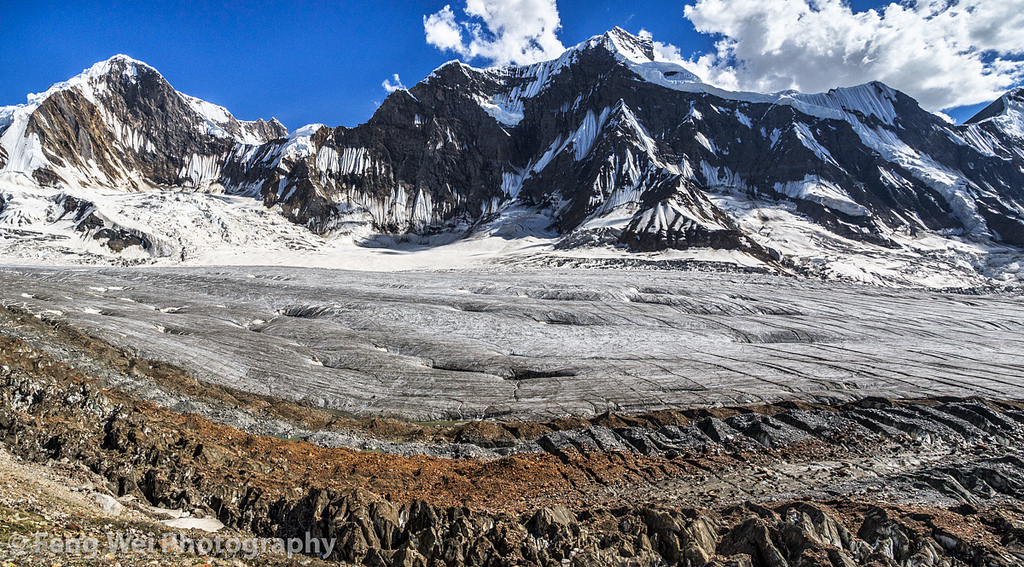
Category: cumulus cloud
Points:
column 499, row 31
column 393, row 84
column 944, row 53
column 443, row 32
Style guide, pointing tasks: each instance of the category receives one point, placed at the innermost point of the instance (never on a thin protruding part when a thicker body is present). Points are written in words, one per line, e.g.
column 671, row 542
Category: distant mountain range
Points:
column 605, row 146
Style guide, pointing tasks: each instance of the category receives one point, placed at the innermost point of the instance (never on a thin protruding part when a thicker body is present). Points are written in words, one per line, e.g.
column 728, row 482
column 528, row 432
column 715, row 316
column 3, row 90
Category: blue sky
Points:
column 325, row 62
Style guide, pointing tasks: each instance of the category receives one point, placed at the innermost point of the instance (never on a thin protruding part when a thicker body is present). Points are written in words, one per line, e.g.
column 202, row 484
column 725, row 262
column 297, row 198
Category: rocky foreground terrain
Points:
column 97, row 436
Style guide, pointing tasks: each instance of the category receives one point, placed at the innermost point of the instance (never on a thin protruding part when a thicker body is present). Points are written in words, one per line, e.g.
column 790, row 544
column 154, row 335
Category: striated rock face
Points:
column 605, row 142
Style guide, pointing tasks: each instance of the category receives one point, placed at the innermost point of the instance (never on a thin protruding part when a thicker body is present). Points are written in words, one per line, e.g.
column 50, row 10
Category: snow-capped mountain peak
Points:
column 1006, row 114
column 624, row 44
column 90, row 79
column 502, row 92
column 218, row 122
column 133, row 131
column 87, row 82
column 603, row 146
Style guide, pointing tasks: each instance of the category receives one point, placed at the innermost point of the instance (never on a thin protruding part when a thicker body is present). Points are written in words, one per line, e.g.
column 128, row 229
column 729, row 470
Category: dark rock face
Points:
column 586, row 136
column 121, row 124
column 72, row 127
column 119, row 239
column 611, row 145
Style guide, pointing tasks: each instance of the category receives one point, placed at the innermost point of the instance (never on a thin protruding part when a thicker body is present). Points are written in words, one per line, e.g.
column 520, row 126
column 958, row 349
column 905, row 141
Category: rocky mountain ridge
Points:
column 120, row 125
column 606, row 145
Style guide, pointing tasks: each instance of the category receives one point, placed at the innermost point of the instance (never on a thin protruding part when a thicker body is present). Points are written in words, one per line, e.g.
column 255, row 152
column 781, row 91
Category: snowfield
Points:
column 516, row 342
column 204, row 229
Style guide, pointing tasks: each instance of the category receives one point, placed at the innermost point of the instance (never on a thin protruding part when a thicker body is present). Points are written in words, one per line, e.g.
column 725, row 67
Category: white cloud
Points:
column 501, row 32
column 393, row 84
column 442, row 31
column 944, row 53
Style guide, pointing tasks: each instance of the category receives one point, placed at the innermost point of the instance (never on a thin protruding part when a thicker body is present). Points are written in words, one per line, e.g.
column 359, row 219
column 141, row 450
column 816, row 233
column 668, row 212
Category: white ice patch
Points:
column 813, row 188
column 669, row 75
column 212, row 112
column 131, row 73
column 505, row 113
column 327, row 160
column 6, row 117
column 299, row 146
column 350, row 161
column 555, row 147
column 871, row 99
column 585, row 136
column 806, row 137
column 704, row 141
column 626, row 117
column 1011, row 121
column 25, row 155
column 512, row 183
column 722, row 179
column 978, row 138
column 200, row 171
column 127, row 135
column 670, row 214
column 953, row 188
column 686, row 171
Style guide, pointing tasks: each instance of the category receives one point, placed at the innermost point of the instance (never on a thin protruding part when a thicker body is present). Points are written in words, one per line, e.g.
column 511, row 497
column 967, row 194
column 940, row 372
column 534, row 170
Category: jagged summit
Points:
column 638, row 54
column 621, row 42
column 118, row 63
column 1011, row 102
